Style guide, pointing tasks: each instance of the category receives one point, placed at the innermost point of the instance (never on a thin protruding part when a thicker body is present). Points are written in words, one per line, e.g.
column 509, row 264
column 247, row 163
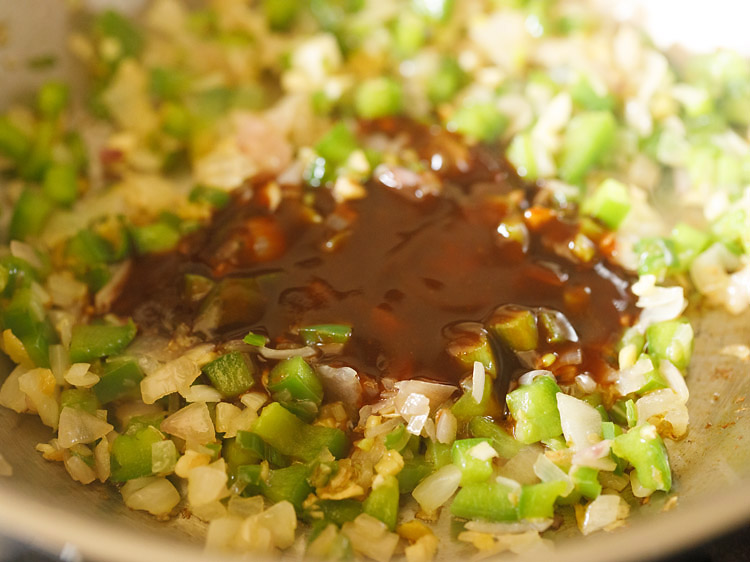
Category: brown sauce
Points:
column 403, row 269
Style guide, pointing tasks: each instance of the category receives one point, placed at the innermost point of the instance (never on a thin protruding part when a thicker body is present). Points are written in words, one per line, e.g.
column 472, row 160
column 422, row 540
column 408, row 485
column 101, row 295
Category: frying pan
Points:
column 42, row 506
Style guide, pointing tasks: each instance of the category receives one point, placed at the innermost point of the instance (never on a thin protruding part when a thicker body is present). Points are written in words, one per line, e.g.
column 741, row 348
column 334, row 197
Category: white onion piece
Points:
column 436, row 489
column 201, row 393
column 658, row 303
column 207, row 484
column 596, row 456
column 547, row 471
column 105, row 296
column 341, row 384
column 586, row 383
column 664, row 403
column 11, row 395
column 102, row 460
column 436, row 393
column 222, row 532
column 34, row 383
column 529, row 377
column 581, row 422
column 269, row 353
column 521, row 466
column 26, row 252
column 79, row 375
column 370, row 537
column 602, row 512
column 174, row 376
column 191, row 423
column 446, row 426
column 415, row 410
column 281, row 520
column 245, row 507
column 482, row 451
column 632, row 379
column 65, row 290
column 153, row 494
column 78, row 469
column 675, row 379
column 477, row 382
column 77, row 426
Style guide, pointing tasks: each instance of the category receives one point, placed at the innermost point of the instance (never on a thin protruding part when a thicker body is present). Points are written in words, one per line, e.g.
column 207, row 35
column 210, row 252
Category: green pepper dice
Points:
column 492, row 501
column 230, row 374
column 294, row 384
column 292, row 437
column 643, row 448
column 93, row 341
column 534, row 407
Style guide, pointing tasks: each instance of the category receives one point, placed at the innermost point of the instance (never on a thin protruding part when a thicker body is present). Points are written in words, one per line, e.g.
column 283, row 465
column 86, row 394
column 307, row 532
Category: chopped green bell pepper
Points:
column 491, row 501
column 131, row 453
column 121, row 379
column 382, row 503
column 671, row 340
column 284, row 431
column 538, row 500
column 534, row 407
column 473, row 469
column 230, row 374
column 93, row 341
column 505, row 445
column 643, row 448
column 294, row 384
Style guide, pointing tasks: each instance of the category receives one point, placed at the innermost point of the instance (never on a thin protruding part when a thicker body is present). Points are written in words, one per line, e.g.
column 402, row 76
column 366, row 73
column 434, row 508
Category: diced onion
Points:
column 436, row 489
column 581, row 422
column 341, row 384
column 665, row 404
column 245, row 507
column 201, row 393
column 79, row 375
column 174, row 376
column 436, row 393
column 658, row 303
column 528, row 377
column 602, row 512
column 78, row 469
column 192, row 423
column 156, row 495
column 547, row 471
column 596, row 456
column 446, row 426
column 11, row 395
column 207, row 483
column 482, row 451
column 281, row 520
column 477, row 382
column 675, row 379
column 370, row 537
column 632, row 379
column 269, row 353
column 222, row 532
column 77, row 426
column 102, row 460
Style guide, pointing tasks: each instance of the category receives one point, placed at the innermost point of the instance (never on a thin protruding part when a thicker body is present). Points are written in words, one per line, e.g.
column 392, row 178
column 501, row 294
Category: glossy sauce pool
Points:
column 400, row 265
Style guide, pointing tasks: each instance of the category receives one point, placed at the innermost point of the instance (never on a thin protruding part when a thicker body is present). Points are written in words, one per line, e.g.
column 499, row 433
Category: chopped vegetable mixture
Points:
column 327, row 272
